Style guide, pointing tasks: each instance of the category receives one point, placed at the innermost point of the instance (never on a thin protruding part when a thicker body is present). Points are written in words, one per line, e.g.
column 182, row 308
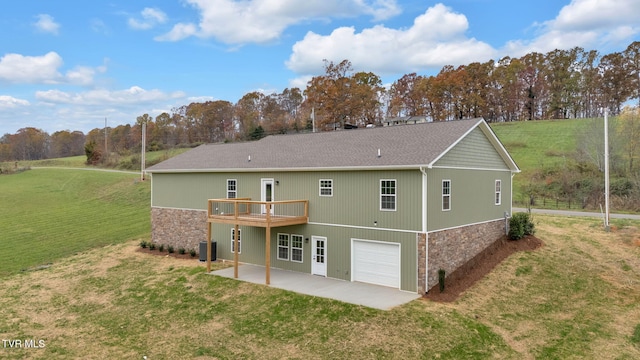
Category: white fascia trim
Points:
column 366, row 227
column 298, row 169
column 465, row 225
column 175, row 208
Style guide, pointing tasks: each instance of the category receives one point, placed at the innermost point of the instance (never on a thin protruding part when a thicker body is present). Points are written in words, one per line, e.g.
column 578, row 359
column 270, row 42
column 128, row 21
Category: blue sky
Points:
column 68, row 65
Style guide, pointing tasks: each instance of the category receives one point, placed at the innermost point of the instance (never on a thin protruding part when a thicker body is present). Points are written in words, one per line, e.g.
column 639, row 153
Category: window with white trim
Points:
column 326, row 187
column 232, row 188
column 446, row 195
column 296, row 248
column 283, row 246
column 233, row 249
column 388, row 194
column 498, row 190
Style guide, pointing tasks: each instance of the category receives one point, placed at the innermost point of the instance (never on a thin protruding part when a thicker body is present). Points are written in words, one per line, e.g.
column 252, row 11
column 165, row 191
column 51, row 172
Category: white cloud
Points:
column 132, row 95
column 7, row 102
column 263, row 21
column 16, row 68
column 300, row 82
column 46, row 24
column 150, row 18
column 20, row 69
column 436, row 38
column 179, row 32
column 584, row 23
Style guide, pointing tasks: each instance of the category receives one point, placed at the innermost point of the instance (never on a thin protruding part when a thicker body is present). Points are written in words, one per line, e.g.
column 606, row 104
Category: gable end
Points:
column 474, row 151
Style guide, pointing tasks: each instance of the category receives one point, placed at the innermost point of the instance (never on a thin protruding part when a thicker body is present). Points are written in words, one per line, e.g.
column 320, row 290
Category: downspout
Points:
column 510, row 213
column 511, row 195
column 424, row 227
column 424, row 199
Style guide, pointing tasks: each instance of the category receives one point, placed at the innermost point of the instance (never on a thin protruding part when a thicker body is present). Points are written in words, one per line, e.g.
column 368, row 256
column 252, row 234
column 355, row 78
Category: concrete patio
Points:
column 374, row 296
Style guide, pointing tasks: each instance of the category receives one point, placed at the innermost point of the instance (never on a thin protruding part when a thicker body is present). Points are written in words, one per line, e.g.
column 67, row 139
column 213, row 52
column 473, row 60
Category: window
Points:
column 233, row 230
column 326, row 187
column 388, row 195
column 232, row 188
column 283, row 246
column 498, row 198
column 446, row 195
column 296, row 248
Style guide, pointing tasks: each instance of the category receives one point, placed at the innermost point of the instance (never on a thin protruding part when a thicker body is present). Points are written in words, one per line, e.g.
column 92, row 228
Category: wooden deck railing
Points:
column 244, row 211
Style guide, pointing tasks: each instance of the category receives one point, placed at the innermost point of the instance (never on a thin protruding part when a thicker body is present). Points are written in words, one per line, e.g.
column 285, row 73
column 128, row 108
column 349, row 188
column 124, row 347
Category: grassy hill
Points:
column 47, row 214
column 534, row 144
column 539, row 146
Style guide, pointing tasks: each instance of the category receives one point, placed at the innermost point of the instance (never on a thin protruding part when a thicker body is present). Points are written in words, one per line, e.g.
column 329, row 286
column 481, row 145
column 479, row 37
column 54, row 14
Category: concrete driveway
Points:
column 373, row 296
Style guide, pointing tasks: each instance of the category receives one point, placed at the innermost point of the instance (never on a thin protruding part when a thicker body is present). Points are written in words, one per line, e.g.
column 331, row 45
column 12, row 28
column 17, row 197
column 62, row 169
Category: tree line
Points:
column 560, row 84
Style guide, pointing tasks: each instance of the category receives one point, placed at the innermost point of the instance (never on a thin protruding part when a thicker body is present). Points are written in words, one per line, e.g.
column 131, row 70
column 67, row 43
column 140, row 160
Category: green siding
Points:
column 355, row 200
column 338, row 248
column 474, row 151
column 185, row 191
column 472, row 197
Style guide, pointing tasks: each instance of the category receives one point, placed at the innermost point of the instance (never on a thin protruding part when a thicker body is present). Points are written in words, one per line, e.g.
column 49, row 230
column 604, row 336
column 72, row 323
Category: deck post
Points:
column 208, row 246
column 235, row 251
column 267, row 249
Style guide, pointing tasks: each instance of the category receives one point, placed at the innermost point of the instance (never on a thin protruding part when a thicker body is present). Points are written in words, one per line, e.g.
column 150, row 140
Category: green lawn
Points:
column 47, row 214
column 538, row 145
column 575, row 298
column 534, row 144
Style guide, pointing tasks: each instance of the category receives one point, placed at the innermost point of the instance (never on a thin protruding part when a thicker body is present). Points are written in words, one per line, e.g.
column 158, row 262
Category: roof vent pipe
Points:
column 249, row 158
column 379, row 153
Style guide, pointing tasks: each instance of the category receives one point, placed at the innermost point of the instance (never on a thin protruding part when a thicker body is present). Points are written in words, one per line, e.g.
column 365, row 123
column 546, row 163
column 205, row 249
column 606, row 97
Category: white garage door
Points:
column 376, row 262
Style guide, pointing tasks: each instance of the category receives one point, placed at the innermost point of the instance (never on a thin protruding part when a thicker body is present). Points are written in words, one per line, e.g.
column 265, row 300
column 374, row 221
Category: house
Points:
column 404, row 120
column 388, row 206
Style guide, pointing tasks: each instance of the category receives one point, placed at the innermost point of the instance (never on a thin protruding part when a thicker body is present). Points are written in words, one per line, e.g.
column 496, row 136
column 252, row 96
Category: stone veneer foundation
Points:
column 178, row 228
column 452, row 248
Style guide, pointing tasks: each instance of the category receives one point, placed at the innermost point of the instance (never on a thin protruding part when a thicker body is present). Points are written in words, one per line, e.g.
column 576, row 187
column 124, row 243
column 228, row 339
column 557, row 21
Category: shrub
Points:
column 170, row 249
column 152, row 246
column 182, row 251
column 193, row 252
column 520, row 225
column 161, row 248
column 441, row 276
column 143, row 244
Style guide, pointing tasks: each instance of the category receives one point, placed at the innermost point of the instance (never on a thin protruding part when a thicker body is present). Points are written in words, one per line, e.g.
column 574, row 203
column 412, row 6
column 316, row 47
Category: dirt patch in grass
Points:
column 468, row 274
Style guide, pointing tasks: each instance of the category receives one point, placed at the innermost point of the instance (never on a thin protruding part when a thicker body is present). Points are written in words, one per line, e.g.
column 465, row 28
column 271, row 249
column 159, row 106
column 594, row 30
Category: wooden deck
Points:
column 266, row 214
column 258, row 213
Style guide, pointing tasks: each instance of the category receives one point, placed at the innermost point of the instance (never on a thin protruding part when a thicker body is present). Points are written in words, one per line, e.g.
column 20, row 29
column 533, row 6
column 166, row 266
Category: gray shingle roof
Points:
column 400, row 147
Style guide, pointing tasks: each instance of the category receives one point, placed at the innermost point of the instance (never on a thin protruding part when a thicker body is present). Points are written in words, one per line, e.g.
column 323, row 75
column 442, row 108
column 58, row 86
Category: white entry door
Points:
column 266, row 193
column 319, row 255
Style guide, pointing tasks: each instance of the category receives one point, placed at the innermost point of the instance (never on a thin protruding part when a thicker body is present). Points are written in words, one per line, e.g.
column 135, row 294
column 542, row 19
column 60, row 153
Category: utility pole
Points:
column 606, row 170
column 106, row 149
column 144, row 148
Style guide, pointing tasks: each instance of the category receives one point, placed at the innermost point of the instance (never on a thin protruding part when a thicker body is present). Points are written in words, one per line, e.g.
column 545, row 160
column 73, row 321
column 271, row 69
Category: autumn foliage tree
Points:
column 559, row 84
column 341, row 97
